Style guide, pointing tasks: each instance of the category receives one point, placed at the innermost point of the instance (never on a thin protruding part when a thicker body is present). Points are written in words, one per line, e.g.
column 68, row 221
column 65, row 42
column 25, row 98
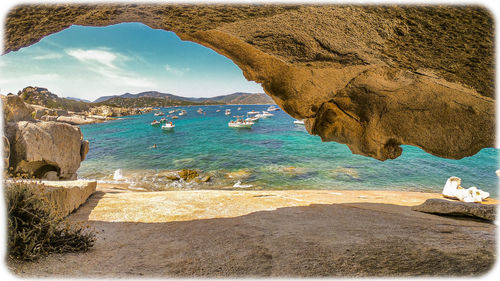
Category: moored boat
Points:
column 298, row 122
column 228, row 112
column 253, row 112
column 168, row 126
column 272, row 108
column 155, row 123
column 240, row 123
column 159, row 113
column 264, row 115
column 183, row 112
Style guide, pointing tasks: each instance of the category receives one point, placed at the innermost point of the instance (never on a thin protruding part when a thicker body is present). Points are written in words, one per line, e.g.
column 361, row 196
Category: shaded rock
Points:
column 6, row 152
column 456, row 208
column 40, row 147
column 50, row 176
column 187, row 174
column 205, row 178
column 84, row 149
column 14, row 109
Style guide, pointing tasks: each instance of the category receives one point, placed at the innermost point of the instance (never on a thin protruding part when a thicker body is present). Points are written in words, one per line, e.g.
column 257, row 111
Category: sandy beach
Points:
column 297, row 233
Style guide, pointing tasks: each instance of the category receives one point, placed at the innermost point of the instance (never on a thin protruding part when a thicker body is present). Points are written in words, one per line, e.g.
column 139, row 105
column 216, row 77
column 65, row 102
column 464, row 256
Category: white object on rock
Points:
column 239, row 185
column 451, row 187
column 118, row 175
column 453, row 190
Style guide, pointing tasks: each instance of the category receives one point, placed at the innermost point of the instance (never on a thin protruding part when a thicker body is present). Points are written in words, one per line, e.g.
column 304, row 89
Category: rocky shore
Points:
column 270, row 234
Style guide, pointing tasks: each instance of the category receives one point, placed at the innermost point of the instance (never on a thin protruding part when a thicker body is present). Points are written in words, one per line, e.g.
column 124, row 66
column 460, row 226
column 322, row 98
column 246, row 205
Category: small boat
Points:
column 168, row 126
column 239, row 108
column 183, row 112
column 175, row 117
column 264, row 114
column 298, row 122
column 252, row 119
column 253, row 112
column 171, row 111
column 228, row 111
column 200, row 111
column 218, row 110
column 240, row 123
column 163, row 120
column 155, row 123
column 159, row 113
column 272, row 108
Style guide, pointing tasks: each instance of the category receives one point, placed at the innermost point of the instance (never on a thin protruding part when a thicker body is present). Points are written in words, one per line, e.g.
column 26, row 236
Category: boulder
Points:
column 14, row 109
column 84, row 149
column 48, row 118
column 456, row 208
column 6, row 152
column 187, row 174
column 40, row 147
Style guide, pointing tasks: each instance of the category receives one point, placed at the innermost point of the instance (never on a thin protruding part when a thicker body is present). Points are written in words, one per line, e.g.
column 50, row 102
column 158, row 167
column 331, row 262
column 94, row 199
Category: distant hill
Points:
column 77, row 99
column 150, row 94
column 43, row 97
column 235, row 98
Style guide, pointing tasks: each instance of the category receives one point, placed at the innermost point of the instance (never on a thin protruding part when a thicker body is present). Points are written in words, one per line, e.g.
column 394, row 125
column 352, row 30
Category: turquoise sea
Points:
column 274, row 154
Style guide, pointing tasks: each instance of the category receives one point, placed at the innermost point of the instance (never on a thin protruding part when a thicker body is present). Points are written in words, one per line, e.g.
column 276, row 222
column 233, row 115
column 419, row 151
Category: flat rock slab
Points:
column 288, row 233
column 457, row 208
column 66, row 196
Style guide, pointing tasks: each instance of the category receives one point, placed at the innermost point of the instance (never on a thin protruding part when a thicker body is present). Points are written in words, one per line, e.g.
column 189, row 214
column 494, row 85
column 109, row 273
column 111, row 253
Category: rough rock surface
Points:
column 67, row 196
column 372, row 77
column 14, row 109
column 457, row 208
column 293, row 233
column 39, row 147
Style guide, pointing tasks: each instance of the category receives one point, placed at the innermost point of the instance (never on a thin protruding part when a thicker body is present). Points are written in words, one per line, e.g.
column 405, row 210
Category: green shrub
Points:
column 34, row 230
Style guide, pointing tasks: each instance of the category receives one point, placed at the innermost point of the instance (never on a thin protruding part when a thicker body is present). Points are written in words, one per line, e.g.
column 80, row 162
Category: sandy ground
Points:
column 208, row 233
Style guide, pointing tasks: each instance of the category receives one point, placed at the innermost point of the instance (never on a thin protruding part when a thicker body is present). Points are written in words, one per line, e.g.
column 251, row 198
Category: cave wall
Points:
column 372, row 77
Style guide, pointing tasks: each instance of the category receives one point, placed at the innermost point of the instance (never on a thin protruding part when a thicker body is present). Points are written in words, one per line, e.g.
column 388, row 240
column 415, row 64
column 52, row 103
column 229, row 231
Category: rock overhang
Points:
column 372, row 77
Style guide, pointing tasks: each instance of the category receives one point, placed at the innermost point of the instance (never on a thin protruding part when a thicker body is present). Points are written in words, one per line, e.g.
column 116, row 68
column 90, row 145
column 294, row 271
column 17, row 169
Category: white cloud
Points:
column 176, row 71
column 106, row 64
column 48, row 56
column 94, row 56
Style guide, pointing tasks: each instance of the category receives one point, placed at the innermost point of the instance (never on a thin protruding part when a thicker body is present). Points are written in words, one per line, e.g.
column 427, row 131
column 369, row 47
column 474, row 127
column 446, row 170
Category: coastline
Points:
column 232, row 233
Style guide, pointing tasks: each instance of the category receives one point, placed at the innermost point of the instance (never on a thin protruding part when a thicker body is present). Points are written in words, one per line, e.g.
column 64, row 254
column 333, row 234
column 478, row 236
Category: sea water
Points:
column 274, row 154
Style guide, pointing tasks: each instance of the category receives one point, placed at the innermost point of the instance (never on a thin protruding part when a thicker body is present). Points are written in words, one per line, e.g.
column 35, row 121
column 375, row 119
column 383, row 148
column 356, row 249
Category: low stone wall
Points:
column 67, row 196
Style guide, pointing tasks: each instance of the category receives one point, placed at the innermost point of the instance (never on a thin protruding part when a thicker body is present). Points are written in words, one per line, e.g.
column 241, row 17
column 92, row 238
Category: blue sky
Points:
column 89, row 62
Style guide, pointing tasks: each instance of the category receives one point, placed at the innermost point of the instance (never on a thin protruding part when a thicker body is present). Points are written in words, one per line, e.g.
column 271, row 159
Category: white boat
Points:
column 252, row 119
column 298, row 122
column 159, row 113
column 240, row 123
column 228, row 111
column 200, row 111
column 183, row 112
column 218, row 110
column 171, row 111
column 272, row 108
column 239, row 108
column 168, row 126
column 264, row 115
column 155, row 123
column 253, row 112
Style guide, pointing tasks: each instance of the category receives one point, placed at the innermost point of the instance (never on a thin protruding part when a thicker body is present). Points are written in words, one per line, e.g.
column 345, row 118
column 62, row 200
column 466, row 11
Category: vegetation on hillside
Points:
column 148, row 102
column 34, row 230
column 41, row 96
